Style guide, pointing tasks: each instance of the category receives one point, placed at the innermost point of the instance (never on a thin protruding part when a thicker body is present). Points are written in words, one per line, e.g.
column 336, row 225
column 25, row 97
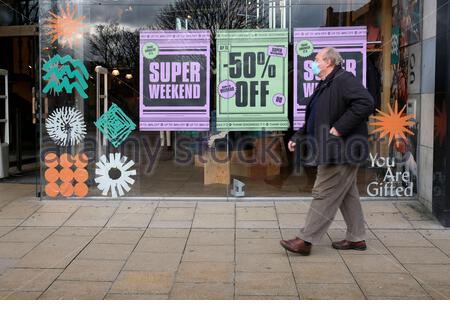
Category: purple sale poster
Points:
column 351, row 42
column 174, row 80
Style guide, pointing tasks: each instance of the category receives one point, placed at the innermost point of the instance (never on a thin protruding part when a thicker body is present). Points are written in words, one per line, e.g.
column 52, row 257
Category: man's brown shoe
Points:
column 349, row 245
column 297, row 245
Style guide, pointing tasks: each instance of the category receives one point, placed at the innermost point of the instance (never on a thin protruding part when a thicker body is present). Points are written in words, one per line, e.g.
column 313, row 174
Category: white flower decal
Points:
column 66, row 126
column 114, row 174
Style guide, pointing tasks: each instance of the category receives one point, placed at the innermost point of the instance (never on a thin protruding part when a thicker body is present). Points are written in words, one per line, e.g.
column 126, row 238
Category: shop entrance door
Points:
column 18, row 120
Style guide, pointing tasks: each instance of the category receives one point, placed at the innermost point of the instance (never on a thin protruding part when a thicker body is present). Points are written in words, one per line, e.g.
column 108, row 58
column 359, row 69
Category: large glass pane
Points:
column 99, row 42
column 102, row 66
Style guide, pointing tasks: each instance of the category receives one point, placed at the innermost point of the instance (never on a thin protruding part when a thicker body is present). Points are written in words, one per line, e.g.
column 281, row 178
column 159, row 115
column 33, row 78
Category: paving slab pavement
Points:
column 130, row 249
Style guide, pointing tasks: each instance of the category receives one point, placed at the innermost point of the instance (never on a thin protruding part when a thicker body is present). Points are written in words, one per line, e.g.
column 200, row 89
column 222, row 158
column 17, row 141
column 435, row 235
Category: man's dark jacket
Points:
column 343, row 103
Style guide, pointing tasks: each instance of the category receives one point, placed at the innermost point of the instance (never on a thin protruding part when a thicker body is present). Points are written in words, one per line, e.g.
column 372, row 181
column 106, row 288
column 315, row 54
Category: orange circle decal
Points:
column 51, row 175
column 66, row 160
column 52, row 189
column 81, row 189
column 81, row 175
column 66, row 175
column 66, row 189
column 51, row 160
column 81, row 160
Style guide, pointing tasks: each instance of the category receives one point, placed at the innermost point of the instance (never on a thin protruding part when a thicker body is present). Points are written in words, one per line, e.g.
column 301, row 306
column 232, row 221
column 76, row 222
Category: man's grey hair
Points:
column 333, row 55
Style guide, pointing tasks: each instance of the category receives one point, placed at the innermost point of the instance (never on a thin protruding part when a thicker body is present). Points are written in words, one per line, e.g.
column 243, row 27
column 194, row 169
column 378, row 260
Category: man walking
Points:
column 336, row 134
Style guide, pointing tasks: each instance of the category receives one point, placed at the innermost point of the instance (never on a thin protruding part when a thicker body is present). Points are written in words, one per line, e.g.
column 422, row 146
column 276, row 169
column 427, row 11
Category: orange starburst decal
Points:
column 65, row 27
column 440, row 124
column 395, row 123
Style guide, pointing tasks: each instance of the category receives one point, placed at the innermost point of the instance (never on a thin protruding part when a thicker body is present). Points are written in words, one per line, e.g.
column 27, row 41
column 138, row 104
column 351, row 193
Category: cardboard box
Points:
column 217, row 168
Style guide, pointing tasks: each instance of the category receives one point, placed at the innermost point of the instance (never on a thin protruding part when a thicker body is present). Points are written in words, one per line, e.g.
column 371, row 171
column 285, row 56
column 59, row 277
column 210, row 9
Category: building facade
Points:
column 198, row 98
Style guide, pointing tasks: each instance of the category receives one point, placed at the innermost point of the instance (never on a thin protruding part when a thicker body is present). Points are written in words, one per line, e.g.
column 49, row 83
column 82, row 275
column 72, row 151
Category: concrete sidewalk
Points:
column 210, row 250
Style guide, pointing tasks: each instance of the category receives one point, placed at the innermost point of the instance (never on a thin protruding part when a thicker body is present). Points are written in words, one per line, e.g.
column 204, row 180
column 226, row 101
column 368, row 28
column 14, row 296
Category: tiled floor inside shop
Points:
column 210, row 250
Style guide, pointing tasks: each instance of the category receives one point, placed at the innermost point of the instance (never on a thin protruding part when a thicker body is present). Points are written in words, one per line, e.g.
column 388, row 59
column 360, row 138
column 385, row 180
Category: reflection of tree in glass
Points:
column 113, row 46
column 211, row 15
column 24, row 12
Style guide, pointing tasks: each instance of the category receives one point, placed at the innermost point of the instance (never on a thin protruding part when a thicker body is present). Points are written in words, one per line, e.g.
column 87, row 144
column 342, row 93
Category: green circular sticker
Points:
column 150, row 50
column 305, row 48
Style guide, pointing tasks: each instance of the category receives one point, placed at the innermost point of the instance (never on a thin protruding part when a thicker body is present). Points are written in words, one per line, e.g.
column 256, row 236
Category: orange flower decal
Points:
column 65, row 27
column 395, row 123
column 440, row 124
